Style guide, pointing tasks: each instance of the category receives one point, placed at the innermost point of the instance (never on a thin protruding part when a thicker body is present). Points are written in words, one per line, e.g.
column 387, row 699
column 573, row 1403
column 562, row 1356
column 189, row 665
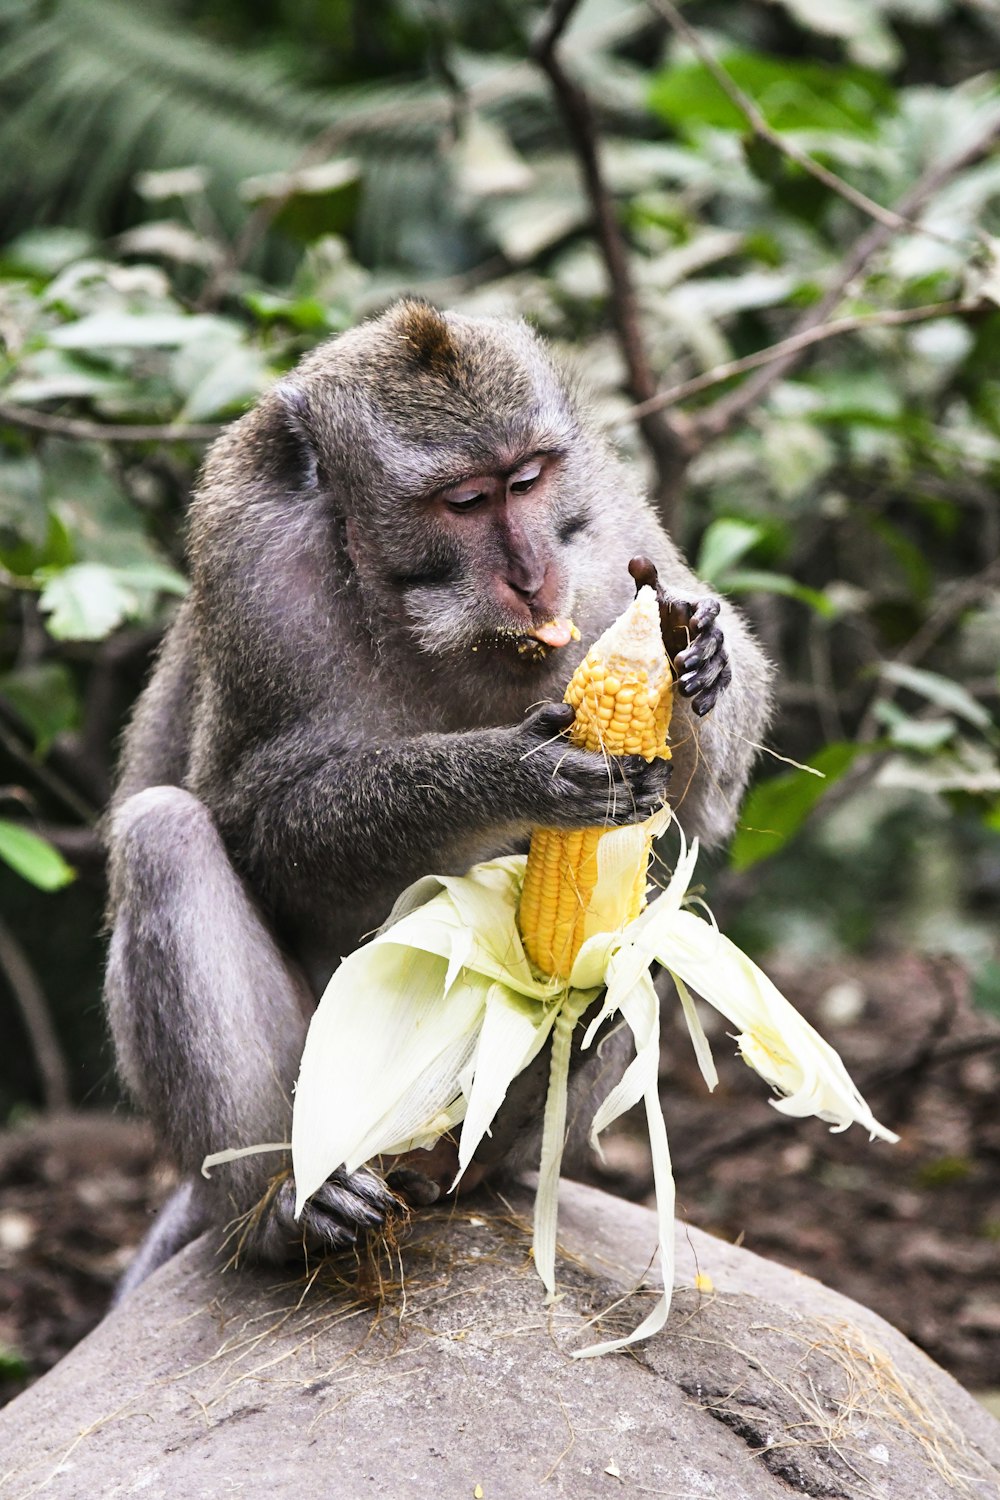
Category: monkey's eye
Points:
column 521, row 482
column 463, row 500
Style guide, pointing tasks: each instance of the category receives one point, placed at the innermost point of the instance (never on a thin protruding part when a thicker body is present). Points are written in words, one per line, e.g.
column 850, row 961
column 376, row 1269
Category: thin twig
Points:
column 795, row 344
column 42, row 775
column 81, row 430
column 892, row 219
column 27, row 991
column 666, row 440
column 83, row 848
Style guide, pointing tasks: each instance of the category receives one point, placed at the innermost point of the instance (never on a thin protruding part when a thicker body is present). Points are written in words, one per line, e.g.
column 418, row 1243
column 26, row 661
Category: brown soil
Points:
column 912, row 1230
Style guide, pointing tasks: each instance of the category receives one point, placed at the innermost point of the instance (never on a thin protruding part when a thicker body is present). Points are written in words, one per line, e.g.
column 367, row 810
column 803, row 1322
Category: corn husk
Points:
column 428, row 1025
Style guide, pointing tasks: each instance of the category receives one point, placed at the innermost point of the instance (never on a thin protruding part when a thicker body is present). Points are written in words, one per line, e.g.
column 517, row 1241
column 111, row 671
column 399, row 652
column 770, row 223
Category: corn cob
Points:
column 621, row 692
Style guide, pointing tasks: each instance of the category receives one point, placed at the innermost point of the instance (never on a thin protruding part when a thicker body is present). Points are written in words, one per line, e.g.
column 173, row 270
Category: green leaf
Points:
column 13, row 1365
column 33, row 857
column 923, row 738
column 155, row 577
column 43, row 252
column 752, row 581
column 87, row 601
column 84, row 602
column 485, row 163
column 776, row 809
column 53, row 375
column 869, row 39
column 791, row 95
column 724, row 543
column 310, row 201
column 86, row 495
column 45, row 697
column 943, row 691
column 218, row 376
column 795, row 455
column 123, row 330
column 966, row 767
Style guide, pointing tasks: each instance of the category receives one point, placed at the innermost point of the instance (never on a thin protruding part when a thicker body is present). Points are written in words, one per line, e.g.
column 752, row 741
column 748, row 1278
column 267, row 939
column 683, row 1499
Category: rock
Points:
column 457, row 1382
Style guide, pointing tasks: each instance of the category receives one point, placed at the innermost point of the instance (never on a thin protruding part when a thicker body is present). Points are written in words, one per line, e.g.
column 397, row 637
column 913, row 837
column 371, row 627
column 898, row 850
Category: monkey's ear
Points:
column 291, row 444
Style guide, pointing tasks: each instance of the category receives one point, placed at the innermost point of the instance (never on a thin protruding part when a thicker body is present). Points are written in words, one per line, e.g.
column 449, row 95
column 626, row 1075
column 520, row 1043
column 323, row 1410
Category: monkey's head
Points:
column 457, row 460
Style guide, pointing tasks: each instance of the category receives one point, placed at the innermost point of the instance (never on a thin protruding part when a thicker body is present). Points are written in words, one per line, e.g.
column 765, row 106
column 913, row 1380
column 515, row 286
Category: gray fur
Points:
column 316, row 734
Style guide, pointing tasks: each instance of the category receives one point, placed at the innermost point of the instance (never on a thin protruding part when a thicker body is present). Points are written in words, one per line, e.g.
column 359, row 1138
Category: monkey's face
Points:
column 493, row 566
column 455, row 452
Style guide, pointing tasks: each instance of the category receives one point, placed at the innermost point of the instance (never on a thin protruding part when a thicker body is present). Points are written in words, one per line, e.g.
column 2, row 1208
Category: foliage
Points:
column 178, row 246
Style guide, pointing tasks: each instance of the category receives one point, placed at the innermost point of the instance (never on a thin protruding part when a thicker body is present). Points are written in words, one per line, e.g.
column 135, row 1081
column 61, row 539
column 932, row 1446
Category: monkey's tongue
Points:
column 553, row 632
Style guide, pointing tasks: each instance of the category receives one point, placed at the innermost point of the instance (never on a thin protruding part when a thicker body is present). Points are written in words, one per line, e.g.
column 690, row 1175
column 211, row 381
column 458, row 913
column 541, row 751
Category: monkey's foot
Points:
column 339, row 1214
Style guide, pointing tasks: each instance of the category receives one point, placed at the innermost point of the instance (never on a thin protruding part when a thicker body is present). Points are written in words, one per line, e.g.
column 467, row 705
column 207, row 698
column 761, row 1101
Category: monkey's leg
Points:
column 181, row 1219
column 209, row 1019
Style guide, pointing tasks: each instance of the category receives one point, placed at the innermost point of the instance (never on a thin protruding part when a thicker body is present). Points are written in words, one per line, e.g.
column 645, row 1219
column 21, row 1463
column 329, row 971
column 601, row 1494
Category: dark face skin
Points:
column 486, row 560
column 495, row 519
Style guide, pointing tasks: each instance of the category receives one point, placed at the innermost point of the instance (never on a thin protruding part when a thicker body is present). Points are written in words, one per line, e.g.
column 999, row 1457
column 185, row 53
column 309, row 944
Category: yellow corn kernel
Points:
column 622, row 693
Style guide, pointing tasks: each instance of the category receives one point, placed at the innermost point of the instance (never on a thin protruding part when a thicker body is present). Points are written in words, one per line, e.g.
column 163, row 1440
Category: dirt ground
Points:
column 911, row 1230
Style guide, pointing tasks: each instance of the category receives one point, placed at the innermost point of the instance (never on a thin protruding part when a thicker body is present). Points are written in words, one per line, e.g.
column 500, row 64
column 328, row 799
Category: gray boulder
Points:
column 441, row 1375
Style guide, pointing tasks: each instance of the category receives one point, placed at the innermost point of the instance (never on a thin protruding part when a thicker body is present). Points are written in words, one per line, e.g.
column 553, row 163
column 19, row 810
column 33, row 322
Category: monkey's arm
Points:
column 371, row 819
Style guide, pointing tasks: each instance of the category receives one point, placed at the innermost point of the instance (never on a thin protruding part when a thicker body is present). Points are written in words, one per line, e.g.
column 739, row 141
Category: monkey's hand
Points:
column 704, row 664
column 693, row 640
column 558, row 786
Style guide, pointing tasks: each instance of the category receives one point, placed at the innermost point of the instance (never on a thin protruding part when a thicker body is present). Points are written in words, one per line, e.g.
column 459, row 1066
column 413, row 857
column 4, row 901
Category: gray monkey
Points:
column 360, row 689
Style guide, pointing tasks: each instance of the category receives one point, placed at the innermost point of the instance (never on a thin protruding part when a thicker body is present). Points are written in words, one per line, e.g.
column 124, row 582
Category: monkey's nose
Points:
column 527, row 583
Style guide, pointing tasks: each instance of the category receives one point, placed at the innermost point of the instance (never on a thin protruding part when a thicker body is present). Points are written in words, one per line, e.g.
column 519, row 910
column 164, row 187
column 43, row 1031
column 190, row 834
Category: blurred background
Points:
column 783, row 216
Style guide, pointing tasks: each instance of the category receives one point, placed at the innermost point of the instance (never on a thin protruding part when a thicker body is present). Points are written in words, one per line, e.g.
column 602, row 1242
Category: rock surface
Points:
column 210, row 1384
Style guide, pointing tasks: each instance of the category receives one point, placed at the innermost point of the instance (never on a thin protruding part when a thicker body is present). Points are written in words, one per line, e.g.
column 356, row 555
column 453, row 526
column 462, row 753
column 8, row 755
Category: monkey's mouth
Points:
column 536, row 643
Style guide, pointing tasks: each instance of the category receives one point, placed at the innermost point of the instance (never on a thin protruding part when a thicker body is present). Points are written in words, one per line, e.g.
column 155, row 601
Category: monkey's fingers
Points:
column 704, row 685
column 638, row 789
column 548, row 720
column 706, row 611
column 704, row 648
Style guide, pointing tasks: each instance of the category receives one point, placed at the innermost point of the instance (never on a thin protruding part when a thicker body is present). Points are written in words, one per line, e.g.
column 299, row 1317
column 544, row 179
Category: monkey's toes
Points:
column 345, row 1208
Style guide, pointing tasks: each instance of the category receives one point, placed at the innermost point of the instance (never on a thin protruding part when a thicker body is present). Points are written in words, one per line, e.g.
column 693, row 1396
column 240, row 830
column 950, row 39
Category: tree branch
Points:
column 81, row 430
column 794, row 345
column 717, row 419
column 666, row 440
column 30, row 997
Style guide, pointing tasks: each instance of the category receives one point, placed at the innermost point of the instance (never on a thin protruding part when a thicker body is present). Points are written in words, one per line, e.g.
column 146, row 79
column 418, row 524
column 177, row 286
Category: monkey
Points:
column 362, row 687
